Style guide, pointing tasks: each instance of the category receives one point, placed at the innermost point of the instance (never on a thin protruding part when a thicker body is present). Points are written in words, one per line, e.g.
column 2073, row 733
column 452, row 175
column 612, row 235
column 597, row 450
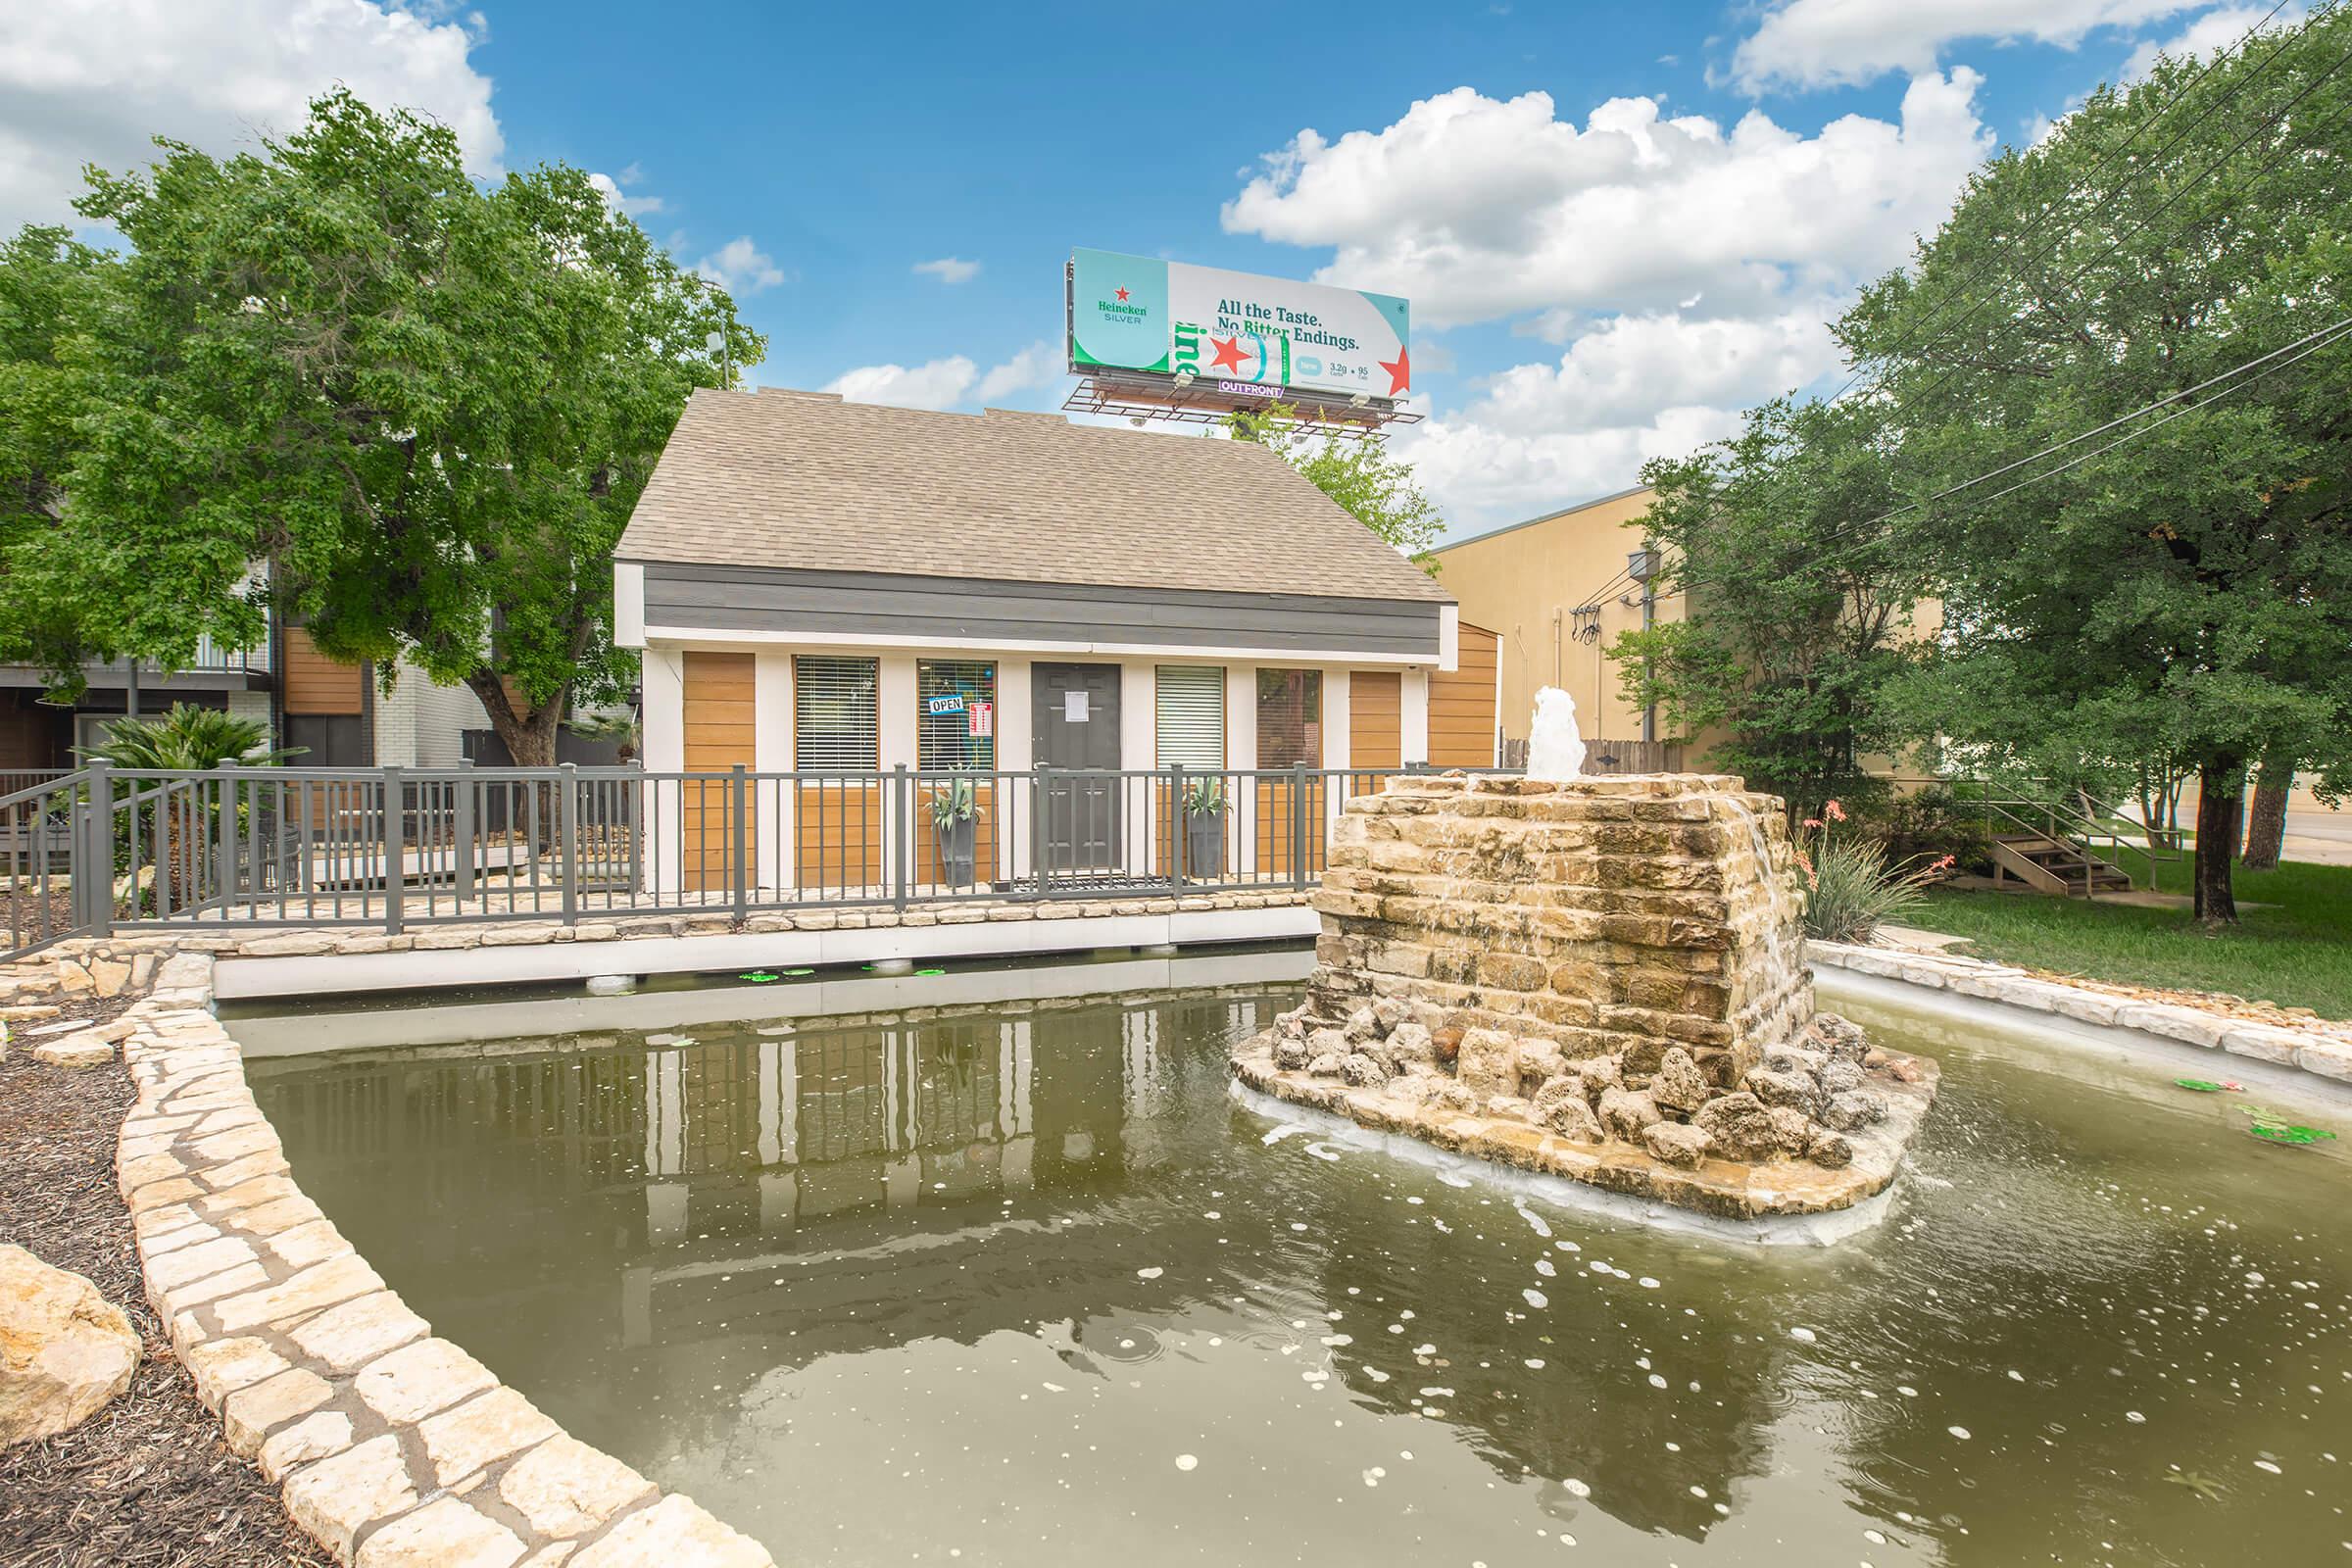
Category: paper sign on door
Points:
column 982, row 718
column 1073, row 706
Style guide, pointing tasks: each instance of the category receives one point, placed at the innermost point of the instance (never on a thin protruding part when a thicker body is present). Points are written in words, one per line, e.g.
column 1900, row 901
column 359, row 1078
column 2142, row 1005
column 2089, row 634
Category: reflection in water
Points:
column 974, row 1282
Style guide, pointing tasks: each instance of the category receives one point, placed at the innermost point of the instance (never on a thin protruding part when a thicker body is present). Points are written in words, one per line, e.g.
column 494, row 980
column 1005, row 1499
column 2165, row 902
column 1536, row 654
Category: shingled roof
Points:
column 802, row 480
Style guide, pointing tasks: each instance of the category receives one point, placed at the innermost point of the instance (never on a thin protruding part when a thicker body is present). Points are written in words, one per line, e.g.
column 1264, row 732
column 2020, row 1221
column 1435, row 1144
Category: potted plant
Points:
column 956, row 831
column 1205, row 828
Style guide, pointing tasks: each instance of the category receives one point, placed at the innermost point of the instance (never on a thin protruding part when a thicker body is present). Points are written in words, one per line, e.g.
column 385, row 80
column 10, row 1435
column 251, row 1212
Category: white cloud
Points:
column 93, row 81
column 1630, row 368
column 933, row 384
column 740, row 267
column 1686, row 268
column 2209, row 34
column 1820, row 43
column 946, row 383
column 949, row 269
column 619, row 200
column 1481, row 476
column 1041, row 363
column 1476, row 207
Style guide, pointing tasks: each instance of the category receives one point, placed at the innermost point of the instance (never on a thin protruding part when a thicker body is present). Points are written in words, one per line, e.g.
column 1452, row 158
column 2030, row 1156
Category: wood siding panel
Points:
column 1375, row 718
column 1461, row 705
column 316, row 683
column 721, row 715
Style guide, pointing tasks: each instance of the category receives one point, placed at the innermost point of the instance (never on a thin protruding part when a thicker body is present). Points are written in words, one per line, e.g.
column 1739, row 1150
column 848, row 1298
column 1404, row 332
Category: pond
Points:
column 1019, row 1281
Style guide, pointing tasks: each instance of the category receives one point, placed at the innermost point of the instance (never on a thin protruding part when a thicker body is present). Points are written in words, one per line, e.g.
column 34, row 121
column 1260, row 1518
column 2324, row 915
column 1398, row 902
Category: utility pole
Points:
column 1642, row 566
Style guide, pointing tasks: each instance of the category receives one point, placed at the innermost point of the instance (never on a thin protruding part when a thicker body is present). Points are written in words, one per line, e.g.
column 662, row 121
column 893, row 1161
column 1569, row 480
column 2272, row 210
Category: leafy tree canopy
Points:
column 2187, row 594
column 429, row 406
column 1796, row 613
column 1370, row 483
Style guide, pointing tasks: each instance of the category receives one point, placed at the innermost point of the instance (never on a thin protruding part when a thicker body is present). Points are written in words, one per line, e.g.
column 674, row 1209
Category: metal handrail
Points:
column 395, row 848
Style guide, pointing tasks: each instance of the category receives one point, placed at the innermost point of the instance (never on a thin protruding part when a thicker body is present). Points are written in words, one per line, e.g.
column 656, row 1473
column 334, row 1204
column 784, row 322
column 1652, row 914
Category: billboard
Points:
column 1236, row 331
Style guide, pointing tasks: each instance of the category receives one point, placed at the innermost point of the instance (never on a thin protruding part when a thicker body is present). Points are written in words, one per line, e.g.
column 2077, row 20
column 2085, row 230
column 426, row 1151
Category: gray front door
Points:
column 1075, row 725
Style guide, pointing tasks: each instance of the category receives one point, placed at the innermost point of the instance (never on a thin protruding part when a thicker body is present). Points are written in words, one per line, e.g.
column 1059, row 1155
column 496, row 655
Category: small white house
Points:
column 827, row 590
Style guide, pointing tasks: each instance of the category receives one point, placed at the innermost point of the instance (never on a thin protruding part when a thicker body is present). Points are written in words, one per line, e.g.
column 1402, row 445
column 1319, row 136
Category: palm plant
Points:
column 185, row 740
column 617, row 727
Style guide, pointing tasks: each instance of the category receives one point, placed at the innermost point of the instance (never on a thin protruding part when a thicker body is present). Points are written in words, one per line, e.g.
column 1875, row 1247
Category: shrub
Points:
column 1931, row 823
column 1851, row 888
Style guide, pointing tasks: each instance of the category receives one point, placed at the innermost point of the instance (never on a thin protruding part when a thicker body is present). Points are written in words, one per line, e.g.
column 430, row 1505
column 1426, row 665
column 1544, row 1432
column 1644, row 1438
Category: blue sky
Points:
column 1618, row 224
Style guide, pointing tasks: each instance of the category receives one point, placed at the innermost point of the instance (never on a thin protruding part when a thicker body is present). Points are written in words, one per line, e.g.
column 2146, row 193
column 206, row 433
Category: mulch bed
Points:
column 148, row 1479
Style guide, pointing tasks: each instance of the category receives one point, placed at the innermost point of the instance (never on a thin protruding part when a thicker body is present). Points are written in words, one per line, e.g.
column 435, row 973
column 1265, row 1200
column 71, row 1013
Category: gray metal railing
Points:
column 110, row 850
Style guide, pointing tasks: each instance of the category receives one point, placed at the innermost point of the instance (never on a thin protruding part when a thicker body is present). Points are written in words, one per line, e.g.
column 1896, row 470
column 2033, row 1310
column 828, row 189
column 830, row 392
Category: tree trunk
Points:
column 530, row 738
column 2266, row 825
column 2221, row 799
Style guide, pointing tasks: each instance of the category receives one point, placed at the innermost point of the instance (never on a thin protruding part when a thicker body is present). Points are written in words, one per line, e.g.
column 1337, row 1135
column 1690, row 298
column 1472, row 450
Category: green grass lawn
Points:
column 2298, row 954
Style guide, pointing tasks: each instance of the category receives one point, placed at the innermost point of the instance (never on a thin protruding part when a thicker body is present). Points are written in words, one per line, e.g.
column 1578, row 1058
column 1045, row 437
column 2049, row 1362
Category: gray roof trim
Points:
column 1548, row 516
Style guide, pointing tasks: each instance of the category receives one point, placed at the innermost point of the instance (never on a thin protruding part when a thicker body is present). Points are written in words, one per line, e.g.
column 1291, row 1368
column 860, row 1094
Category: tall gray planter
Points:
column 956, row 847
column 1204, row 845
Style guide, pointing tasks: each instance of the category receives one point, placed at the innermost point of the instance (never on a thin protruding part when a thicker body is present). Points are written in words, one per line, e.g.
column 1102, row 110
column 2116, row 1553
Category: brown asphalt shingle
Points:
column 803, row 481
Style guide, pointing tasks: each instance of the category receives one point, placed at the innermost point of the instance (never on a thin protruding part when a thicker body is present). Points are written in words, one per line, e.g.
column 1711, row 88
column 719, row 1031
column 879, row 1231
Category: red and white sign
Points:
column 981, row 719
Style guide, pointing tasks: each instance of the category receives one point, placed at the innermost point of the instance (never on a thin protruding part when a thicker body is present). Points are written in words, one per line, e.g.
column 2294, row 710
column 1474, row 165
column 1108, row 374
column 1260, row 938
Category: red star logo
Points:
column 1229, row 351
column 1122, row 296
column 1400, row 373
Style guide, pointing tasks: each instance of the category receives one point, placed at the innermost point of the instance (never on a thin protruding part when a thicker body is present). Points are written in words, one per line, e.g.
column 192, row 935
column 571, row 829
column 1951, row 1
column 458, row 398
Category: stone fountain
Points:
column 1597, row 979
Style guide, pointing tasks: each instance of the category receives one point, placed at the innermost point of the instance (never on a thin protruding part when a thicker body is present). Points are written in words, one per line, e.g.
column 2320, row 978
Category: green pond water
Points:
column 1023, row 1284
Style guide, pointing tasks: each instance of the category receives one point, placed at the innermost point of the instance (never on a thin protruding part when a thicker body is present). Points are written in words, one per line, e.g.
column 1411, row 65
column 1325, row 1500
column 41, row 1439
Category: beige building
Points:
column 1557, row 592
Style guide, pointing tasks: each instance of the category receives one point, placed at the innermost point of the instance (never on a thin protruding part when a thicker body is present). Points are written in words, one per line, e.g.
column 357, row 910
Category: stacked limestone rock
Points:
column 1801, row 1101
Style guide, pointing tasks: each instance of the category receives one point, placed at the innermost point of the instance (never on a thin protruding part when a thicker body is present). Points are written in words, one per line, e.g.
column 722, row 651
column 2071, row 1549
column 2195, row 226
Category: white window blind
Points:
column 1188, row 716
column 836, row 715
column 947, row 740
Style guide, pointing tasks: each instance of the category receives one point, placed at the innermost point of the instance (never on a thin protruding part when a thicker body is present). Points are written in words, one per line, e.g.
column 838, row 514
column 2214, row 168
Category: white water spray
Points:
column 1555, row 752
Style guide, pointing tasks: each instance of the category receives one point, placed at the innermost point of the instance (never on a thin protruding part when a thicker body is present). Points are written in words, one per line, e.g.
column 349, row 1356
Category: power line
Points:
column 1958, row 289
column 2299, row 349
column 2144, row 225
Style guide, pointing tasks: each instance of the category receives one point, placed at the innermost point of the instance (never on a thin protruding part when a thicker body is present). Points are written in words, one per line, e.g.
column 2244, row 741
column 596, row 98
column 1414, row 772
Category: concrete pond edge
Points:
column 393, row 1448
column 2320, row 1051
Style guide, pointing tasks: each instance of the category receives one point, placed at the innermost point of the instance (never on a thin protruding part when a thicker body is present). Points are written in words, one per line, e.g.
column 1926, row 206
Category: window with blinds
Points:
column 1290, row 717
column 1188, row 715
column 956, row 715
column 836, row 715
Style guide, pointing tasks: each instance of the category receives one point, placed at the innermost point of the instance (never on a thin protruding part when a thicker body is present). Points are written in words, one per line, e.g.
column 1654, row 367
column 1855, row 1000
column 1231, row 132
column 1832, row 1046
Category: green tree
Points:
column 50, row 289
column 1371, row 484
column 427, row 404
column 1795, row 614
column 2186, row 597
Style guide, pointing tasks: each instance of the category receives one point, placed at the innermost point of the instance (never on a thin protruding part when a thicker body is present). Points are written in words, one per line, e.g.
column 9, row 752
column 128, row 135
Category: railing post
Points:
column 900, row 816
column 98, row 854
column 1036, row 831
column 395, row 849
column 224, row 827
column 568, row 817
column 738, row 842
column 1298, row 823
column 461, row 829
column 1180, row 829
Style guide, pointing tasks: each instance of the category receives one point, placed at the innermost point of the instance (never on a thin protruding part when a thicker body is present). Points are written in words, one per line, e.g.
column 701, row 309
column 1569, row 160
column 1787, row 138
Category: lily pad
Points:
column 797, row 973
column 2203, row 1086
column 930, row 971
column 759, row 977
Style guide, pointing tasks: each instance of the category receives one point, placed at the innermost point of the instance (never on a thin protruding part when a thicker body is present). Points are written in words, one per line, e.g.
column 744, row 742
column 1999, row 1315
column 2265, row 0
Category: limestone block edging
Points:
column 2321, row 1050
column 393, row 1447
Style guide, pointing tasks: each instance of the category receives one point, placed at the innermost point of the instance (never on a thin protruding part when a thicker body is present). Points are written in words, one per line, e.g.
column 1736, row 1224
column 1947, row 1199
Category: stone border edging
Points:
column 393, row 1448
column 2316, row 1051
